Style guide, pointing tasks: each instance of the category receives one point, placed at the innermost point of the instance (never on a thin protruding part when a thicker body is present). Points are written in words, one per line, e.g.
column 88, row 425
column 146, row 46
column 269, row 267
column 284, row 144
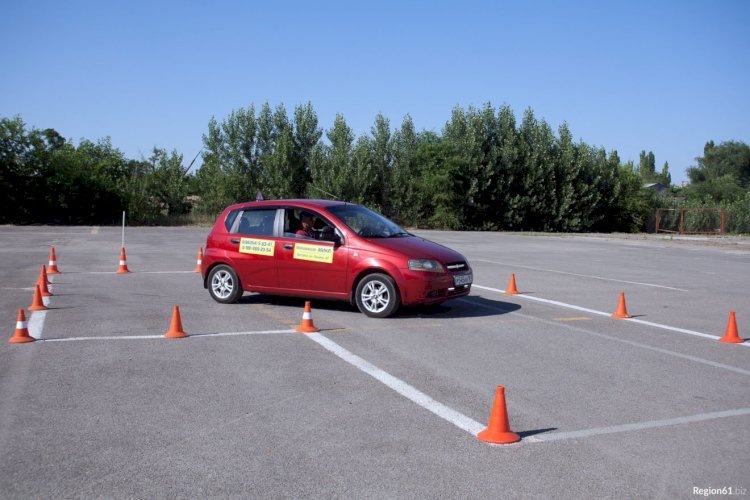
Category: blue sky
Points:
column 664, row 76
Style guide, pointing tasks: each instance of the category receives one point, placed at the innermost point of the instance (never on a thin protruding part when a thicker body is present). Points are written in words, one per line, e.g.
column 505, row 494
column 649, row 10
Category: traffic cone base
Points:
column 22, row 330
column 512, row 290
column 175, row 326
column 123, row 269
column 52, row 262
column 622, row 310
column 498, row 429
column 37, row 303
column 307, row 325
column 731, row 336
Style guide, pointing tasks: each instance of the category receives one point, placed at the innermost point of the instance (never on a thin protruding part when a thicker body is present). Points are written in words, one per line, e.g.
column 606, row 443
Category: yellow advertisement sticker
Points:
column 257, row 247
column 314, row 253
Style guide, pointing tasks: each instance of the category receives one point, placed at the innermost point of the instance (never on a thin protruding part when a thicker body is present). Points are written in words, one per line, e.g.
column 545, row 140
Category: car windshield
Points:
column 367, row 223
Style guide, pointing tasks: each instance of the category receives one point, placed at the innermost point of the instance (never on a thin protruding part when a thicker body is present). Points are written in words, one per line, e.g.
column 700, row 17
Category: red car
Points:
column 330, row 250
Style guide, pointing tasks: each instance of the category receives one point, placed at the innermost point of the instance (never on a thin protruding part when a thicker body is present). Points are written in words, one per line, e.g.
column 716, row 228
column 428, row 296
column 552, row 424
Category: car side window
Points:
column 320, row 229
column 258, row 222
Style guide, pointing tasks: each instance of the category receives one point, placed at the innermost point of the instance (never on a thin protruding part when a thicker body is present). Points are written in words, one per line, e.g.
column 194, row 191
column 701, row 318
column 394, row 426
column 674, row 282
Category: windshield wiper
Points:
column 396, row 235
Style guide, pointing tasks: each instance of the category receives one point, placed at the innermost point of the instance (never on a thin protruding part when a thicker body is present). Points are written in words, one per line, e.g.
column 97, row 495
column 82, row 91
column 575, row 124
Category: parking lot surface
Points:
column 101, row 405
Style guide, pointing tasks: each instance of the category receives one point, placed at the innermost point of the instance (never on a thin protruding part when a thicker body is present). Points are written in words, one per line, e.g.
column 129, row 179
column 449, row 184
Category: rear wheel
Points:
column 377, row 296
column 223, row 284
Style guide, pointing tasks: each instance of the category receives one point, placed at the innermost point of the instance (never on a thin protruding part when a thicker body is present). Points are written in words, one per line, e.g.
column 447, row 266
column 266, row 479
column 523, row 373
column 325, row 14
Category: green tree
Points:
column 382, row 161
column 722, row 173
column 404, row 193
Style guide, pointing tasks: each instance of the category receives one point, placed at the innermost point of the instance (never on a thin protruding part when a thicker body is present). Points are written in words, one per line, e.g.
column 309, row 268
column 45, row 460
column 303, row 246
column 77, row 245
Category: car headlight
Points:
column 428, row 265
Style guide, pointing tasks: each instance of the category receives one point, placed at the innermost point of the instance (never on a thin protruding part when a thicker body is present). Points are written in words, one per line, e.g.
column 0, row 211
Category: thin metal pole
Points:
column 123, row 229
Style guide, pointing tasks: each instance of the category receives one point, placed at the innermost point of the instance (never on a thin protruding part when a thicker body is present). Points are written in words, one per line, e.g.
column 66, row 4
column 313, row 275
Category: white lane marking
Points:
column 616, row 339
column 602, row 313
column 95, row 230
column 136, row 272
column 151, row 337
column 582, row 275
column 36, row 319
column 458, row 419
column 557, row 436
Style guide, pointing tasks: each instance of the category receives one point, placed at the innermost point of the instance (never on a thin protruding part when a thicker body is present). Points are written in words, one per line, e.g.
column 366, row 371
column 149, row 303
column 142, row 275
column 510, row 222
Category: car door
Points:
column 253, row 248
column 314, row 266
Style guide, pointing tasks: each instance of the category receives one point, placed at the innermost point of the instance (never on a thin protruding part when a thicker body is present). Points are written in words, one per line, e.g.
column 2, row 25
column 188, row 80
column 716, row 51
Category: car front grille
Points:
column 455, row 267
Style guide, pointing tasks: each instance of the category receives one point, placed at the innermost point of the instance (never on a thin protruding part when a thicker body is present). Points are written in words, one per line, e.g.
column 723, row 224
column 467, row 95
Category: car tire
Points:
column 224, row 285
column 376, row 296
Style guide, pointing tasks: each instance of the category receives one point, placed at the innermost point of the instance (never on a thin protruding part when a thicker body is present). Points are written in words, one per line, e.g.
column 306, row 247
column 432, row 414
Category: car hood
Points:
column 414, row 247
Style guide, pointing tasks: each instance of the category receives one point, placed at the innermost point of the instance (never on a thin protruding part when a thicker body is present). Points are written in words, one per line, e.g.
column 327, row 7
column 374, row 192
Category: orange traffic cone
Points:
column 622, row 311
column 53, row 262
column 42, row 282
column 37, row 304
column 731, row 336
column 498, row 429
column 22, row 330
column 175, row 327
column 199, row 263
column 306, row 325
column 512, row 290
column 123, row 262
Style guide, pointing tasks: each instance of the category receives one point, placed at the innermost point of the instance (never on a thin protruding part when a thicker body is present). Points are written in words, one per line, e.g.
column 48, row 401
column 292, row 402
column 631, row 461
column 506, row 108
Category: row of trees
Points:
column 47, row 179
column 483, row 171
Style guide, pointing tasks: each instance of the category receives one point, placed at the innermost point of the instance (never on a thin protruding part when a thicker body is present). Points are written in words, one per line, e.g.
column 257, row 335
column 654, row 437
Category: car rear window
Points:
column 258, row 222
column 230, row 219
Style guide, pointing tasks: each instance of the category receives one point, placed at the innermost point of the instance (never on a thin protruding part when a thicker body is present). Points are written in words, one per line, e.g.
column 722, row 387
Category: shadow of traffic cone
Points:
column 306, row 325
column 199, row 263
column 22, row 330
column 730, row 335
column 123, row 269
column 42, row 283
column 498, row 429
column 175, row 326
column 37, row 304
column 512, row 290
column 622, row 311
column 52, row 262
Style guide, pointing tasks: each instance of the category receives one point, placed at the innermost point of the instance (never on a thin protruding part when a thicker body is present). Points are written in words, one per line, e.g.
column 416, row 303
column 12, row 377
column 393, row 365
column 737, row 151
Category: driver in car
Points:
column 307, row 220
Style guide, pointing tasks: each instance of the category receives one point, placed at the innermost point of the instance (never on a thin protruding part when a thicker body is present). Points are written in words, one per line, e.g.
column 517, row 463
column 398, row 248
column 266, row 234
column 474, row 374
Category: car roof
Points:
column 301, row 203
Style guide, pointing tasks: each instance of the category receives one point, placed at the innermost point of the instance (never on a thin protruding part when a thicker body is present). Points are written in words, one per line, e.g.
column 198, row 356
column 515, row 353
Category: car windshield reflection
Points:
column 366, row 223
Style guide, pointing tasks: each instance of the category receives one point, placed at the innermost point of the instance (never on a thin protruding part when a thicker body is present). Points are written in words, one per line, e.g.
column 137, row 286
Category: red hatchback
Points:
column 330, row 250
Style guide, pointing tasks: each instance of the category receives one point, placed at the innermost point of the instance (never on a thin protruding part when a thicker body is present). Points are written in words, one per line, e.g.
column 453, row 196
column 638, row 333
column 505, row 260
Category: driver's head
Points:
column 306, row 218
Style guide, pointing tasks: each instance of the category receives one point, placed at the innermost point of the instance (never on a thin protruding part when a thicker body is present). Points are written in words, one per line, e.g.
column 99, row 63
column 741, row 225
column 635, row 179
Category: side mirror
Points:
column 330, row 234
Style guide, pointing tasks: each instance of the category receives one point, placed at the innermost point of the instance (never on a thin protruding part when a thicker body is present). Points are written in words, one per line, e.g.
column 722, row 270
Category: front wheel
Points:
column 377, row 296
column 223, row 284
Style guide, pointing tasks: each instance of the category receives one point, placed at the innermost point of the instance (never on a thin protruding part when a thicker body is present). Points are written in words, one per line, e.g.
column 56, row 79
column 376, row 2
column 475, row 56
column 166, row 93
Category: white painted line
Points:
column 134, row 272
column 95, row 230
column 152, row 337
column 165, row 272
column 557, row 436
column 616, row 339
column 232, row 334
column 602, row 313
column 36, row 319
column 458, row 419
column 581, row 275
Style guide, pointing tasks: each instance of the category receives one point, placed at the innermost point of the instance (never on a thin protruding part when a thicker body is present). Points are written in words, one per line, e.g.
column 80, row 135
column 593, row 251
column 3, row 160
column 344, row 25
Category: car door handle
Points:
column 288, row 246
column 236, row 241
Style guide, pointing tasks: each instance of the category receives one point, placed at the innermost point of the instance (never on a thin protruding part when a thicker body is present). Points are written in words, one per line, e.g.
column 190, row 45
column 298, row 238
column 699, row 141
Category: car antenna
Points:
column 337, row 198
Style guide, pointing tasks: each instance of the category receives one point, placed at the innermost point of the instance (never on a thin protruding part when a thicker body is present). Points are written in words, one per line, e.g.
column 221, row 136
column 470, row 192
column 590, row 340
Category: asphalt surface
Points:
column 244, row 408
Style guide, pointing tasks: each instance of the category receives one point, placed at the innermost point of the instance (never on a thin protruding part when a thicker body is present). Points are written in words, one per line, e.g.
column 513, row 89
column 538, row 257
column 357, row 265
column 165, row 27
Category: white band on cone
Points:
column 123, row 262
column 22, row 325
column 306, row 315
